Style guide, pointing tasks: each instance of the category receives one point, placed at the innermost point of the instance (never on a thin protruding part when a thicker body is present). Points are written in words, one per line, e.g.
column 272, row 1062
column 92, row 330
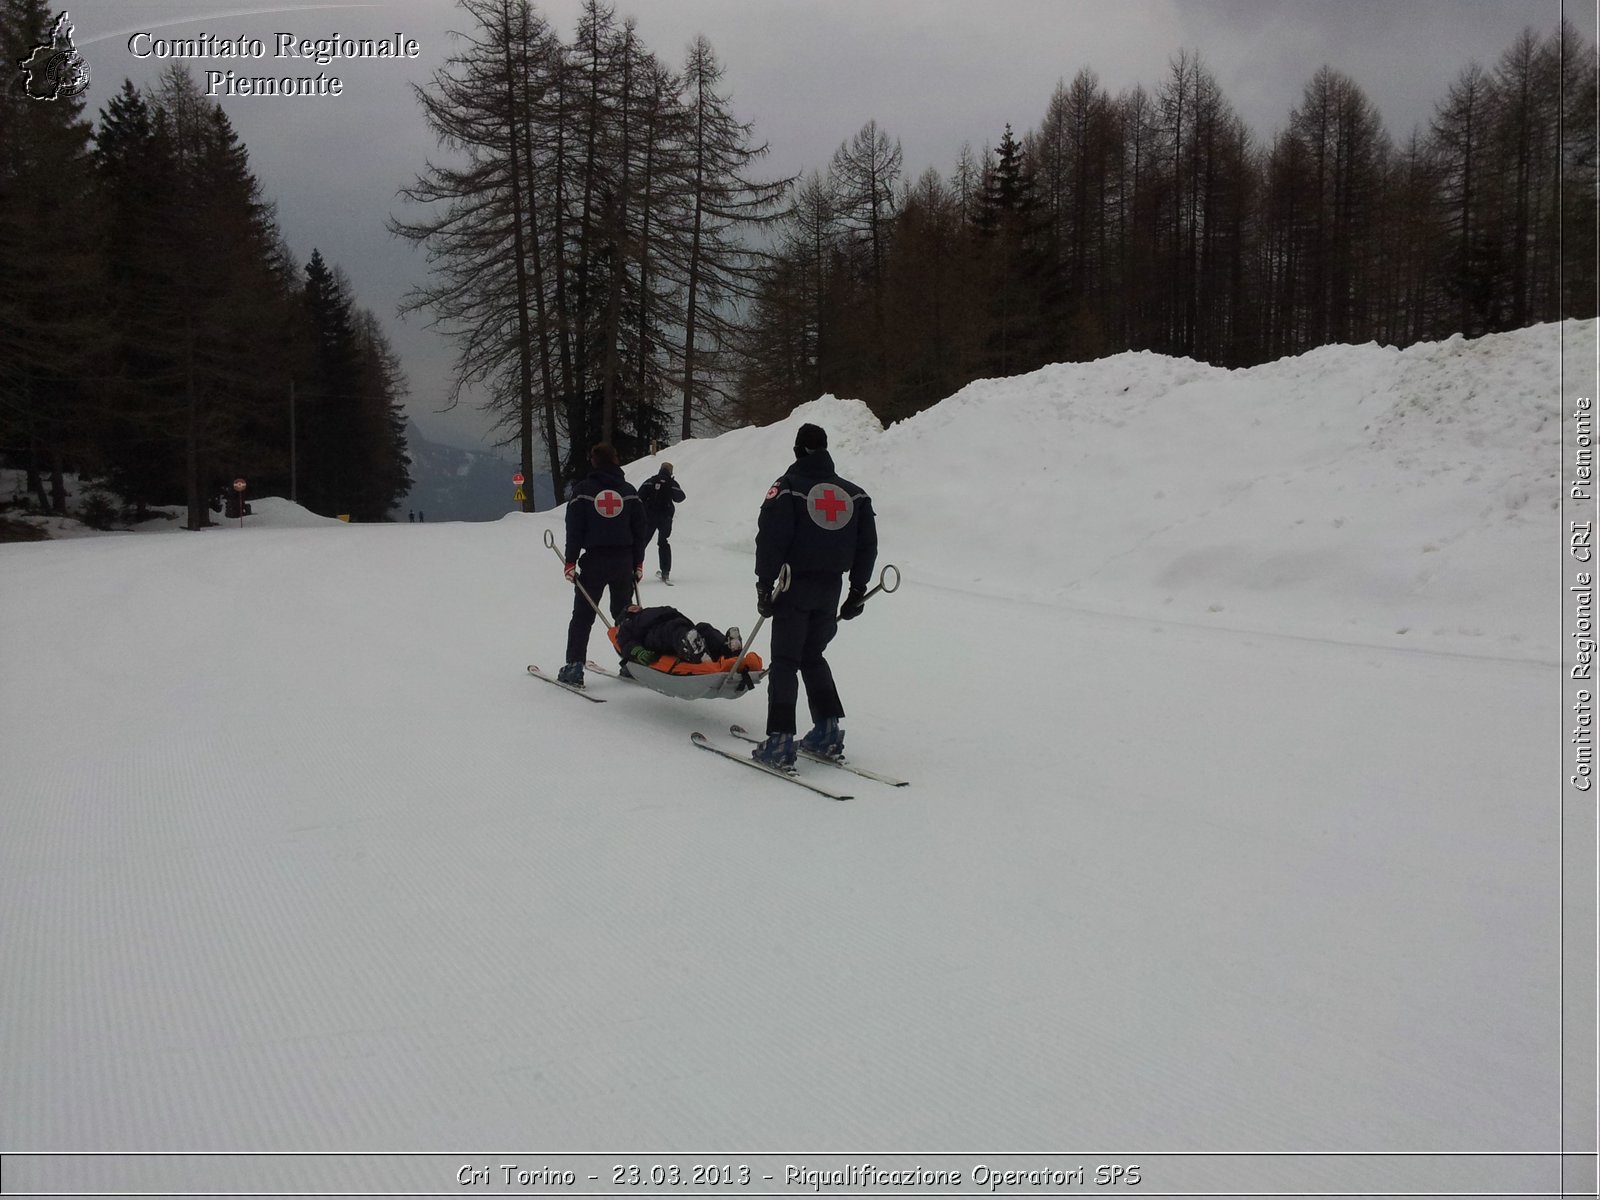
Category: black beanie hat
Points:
column 809, row 438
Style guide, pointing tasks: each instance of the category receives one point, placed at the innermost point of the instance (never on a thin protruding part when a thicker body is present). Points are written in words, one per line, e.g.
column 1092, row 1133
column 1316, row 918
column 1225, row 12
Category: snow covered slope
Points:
column 1228, row 701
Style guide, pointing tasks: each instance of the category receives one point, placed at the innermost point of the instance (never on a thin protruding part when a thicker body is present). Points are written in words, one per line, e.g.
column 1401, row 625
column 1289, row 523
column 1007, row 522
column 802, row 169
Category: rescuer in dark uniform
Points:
column 661, row 493
column 822, row 526
column 605, row 523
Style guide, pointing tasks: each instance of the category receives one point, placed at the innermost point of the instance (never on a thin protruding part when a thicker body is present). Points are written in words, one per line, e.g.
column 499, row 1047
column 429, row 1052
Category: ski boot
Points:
column 735, row 641
column 691, row 646
column 826, row 740
column 776, row 752
column 571, row 674
column 664, row 576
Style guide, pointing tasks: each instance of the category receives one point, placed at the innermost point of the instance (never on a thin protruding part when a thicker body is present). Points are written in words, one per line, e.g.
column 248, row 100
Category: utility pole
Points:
column 294, row 489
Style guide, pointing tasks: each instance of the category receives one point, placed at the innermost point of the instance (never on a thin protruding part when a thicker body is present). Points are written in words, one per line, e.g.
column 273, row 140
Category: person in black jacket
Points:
column 823, row 526
column 605, row 523
column 659, row 493
column 645, row 634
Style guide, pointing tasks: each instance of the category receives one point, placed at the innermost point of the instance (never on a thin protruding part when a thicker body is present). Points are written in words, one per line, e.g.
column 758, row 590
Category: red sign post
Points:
column 238, row 487
column 519, row 495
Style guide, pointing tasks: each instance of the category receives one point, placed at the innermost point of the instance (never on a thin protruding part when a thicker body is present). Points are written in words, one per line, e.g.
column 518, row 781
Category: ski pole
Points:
column 779, row 586
column 550, row 540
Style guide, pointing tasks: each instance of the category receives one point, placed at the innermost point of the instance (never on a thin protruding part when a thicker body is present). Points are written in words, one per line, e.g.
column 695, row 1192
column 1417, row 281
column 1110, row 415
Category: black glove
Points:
column 853, row 604
column 764, row 599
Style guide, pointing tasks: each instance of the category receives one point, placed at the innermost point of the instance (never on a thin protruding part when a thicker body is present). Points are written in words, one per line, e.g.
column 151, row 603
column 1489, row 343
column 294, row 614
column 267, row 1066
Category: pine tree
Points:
column 492, row 238
column 722, row 205
column 139, row 445
column 49, row 275
column 1013, row 225
column 866, row 174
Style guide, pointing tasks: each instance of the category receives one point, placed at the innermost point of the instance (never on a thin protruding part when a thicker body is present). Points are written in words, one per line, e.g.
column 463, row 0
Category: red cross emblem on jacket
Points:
column 829, row 506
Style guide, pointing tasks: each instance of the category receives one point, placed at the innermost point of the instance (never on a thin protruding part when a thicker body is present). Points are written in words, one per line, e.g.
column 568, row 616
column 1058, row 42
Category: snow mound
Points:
column 1356, row 492
column 274, row 512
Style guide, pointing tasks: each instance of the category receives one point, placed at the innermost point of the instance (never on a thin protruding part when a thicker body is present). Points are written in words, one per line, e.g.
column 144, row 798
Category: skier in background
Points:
column 822, row 525
column 605, row 523
column 660, row 493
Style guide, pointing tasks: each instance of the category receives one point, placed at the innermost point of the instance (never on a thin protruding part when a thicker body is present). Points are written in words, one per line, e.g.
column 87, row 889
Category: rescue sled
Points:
column 726, row 678
column 723, row 679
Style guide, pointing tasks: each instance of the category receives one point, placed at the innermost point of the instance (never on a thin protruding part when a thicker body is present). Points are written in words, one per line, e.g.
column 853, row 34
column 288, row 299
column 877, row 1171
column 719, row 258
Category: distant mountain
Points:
column 452, row 484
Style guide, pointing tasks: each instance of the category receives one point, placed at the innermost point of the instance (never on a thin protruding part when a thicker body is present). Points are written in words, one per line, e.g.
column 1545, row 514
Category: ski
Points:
column 609, row 672
column 700, row 739
column 566, row 687
column 739, row 731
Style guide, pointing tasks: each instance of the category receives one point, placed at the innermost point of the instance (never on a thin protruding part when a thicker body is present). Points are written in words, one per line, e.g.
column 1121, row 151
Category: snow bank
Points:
column 1357, row 492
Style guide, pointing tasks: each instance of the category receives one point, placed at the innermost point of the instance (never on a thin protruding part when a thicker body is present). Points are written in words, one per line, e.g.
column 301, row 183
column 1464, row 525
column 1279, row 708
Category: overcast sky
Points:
column 808, row 73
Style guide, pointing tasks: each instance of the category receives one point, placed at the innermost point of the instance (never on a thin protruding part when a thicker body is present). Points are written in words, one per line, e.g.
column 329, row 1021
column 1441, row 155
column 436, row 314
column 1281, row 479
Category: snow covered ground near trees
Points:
column 1230, row 705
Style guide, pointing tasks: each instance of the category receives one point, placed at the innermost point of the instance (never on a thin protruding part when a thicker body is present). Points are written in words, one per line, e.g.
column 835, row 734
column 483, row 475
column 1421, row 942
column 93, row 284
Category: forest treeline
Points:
column 611, row 264
column 612, row 267
column 157, row 337
column 1154, row 220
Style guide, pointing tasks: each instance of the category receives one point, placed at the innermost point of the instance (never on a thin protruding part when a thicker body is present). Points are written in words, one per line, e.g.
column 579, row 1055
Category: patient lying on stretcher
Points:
column 663, row 639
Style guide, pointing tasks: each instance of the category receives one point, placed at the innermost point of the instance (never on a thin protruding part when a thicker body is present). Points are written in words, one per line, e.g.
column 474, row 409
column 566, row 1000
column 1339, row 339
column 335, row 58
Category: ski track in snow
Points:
column 295, row 856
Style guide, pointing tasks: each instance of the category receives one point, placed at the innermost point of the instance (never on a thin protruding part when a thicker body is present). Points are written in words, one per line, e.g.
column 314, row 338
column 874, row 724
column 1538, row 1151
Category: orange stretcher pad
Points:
column 672, row 676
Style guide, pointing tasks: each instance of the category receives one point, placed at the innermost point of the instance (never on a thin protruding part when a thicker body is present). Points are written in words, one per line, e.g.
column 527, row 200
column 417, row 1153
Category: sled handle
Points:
column 779, row 586
column 550, row 540
column 883, row 582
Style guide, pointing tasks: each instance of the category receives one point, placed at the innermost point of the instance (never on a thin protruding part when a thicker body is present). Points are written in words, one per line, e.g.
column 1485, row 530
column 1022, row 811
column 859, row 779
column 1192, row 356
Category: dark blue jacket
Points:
column 659, row 493
column 818, row 523
column 657, row 629
column 605, row 514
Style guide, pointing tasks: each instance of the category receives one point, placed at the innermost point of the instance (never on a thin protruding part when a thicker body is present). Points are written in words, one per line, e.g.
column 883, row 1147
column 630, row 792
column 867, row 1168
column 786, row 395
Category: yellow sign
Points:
column 520, row 496
column 344, row 516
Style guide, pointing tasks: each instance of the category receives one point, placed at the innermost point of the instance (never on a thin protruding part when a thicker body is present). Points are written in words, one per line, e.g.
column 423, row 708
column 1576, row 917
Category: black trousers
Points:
column 661, row 523
column 804, row 620
column 598, row 572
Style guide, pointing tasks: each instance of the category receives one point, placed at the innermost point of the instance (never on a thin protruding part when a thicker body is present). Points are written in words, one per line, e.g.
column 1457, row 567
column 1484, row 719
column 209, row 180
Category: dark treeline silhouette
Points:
column 1153, row 221
column 587, row 233
column 156, row 335
column 610, row 268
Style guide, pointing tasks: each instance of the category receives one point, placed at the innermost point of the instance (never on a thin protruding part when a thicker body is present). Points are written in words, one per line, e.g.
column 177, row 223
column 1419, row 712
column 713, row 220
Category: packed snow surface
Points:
column 1229, row 701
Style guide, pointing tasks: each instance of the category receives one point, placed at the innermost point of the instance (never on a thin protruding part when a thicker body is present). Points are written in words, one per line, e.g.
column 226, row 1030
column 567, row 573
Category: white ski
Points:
column 739, row 731
column 700, row 739
column 566, row 687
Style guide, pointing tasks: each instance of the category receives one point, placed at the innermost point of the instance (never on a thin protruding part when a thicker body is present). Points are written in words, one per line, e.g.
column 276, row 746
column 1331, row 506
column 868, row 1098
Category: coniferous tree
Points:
column 723, row 206
column 383, row 463
column 1572, row 61
column 1461, row 134
column 223, row 305
column 934, row 322
column 1012, row 224
column 49, row 277
column 140, row 449
column 350, row 405
column 489, row 241
column 866, row 172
